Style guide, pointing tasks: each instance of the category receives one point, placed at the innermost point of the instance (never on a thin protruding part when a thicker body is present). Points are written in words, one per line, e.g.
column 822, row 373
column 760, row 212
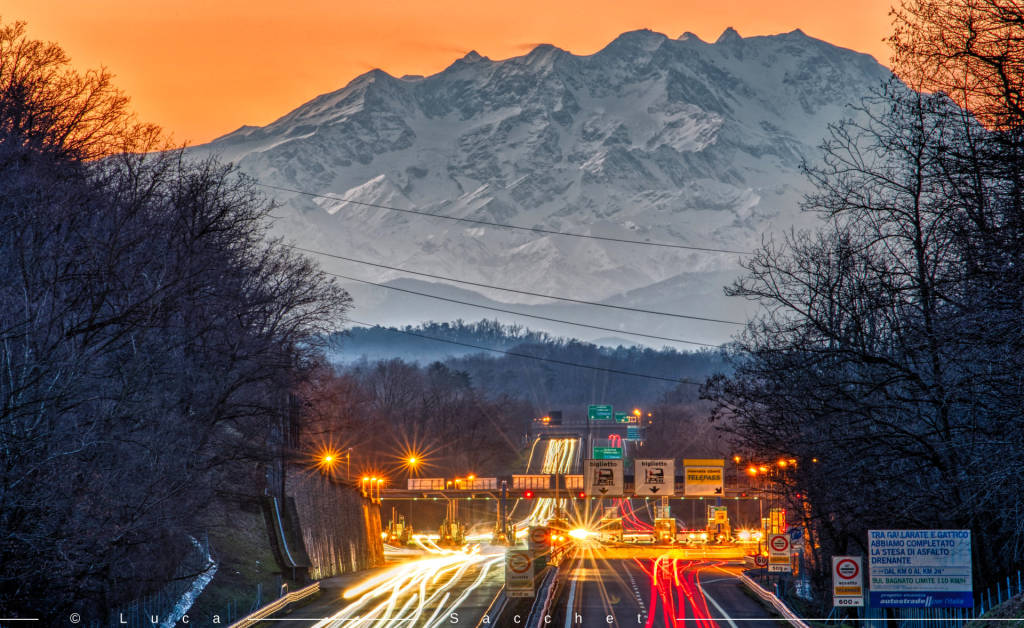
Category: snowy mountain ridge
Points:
column 651, row 138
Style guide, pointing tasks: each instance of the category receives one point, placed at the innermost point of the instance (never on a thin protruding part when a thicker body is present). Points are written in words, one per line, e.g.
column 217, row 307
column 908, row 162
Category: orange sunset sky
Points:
column 202, row 68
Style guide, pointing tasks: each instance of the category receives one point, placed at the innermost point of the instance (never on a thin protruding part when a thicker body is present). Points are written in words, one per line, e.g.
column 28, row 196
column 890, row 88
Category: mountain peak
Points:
column 728, row 36
column 688, row 36
column 473, row 56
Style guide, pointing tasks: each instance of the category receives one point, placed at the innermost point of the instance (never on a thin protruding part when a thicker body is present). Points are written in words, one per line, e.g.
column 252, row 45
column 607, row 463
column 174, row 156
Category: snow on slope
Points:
column 651, row 138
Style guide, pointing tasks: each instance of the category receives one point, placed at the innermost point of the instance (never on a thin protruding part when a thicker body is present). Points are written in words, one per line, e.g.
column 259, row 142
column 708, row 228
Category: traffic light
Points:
column 528, row 494
column 581, row 495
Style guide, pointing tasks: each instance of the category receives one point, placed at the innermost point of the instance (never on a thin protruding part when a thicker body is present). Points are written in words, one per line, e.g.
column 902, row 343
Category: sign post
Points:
column 778, row 554
column 847, row 581
column 655, row 477
column 518, row 573
column 703, row 477
column 920, row 568
column 602, row 478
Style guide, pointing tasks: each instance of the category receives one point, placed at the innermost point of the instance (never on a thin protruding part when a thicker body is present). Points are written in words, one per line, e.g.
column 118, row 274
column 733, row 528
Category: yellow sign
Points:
column 703, row 462
column 703, row 476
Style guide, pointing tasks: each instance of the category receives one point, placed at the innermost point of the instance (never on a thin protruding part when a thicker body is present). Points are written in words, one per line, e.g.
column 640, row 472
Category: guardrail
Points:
column 542, row 603
column 493, row 612
column 276, row 605
column 772, row 599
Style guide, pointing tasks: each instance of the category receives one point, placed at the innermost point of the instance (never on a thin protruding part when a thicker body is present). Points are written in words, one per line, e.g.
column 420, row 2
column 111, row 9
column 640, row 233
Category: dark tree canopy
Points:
column 151, row 336
column 888, row 356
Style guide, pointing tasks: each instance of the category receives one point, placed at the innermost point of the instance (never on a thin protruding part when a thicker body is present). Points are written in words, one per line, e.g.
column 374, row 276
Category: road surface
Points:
column 667, row 591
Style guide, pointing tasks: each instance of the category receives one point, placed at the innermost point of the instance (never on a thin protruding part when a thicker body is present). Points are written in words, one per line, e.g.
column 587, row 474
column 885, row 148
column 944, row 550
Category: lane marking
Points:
column 572, row 596
column 725, row 615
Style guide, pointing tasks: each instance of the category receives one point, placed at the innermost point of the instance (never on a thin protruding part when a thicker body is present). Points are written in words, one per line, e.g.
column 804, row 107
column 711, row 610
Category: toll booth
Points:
column 452, row 532
column 398, row 531
column 609, row 528
column 718, row 525
column 664, row 523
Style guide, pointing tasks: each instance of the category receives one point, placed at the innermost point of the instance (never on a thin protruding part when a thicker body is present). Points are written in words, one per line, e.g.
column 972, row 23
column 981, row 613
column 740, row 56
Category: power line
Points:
column 533, row 357
column 537, row 316
column 505, row 226
column 526, row 292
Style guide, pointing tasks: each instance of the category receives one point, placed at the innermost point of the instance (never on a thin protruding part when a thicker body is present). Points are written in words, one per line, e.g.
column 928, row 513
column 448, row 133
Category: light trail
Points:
column 559, row 457
column 676, row 586
column 430, row 588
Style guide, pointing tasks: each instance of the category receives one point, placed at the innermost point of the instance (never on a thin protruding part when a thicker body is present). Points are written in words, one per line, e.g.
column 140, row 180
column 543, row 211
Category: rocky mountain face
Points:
column 655, row 139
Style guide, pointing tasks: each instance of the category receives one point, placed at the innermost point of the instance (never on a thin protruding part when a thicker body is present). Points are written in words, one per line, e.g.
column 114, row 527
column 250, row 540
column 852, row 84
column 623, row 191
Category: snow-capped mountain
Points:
column 656, row 139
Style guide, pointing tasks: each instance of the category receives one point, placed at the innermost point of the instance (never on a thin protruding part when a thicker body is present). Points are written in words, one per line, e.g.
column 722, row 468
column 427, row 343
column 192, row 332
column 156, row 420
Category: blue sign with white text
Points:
column 922, row 599
column 920, row 568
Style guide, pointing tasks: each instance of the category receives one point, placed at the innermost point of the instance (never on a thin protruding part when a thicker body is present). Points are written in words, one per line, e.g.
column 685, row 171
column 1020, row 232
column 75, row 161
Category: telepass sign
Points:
column 702, row 476
column 847, row 581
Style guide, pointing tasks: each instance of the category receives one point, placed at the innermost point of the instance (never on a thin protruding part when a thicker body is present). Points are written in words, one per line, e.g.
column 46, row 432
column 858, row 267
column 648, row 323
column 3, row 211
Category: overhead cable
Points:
column 514, row 290
column 506, row 226
column 537, row 316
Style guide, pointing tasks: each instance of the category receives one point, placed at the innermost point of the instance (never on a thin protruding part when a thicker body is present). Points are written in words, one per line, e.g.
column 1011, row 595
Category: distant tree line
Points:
column 889, row 357
column 539, row 379
column 150, row 336
column 414, row 343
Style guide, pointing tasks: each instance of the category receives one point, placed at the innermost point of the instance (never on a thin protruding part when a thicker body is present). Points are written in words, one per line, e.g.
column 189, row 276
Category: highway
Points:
column 437, row 588
column 665, row 591
column 620, row 585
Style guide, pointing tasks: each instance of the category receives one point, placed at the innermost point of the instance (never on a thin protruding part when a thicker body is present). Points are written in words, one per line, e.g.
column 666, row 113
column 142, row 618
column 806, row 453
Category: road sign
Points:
column 847, row 581
column 518, row 573
column 920, row 568
column 655, row 477
column 538, row 539
column 608, row 453
column 622, row 417
column 599, row 413
column 633, row 432
column 602, row 478
column 778, row 553
column 703, row 476
column 761, row 560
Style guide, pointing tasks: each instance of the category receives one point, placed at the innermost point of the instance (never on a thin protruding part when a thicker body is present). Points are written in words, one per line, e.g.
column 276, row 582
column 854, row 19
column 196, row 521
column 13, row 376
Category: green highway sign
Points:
column 621, row 417
column 599, row 413
column 607, row 453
